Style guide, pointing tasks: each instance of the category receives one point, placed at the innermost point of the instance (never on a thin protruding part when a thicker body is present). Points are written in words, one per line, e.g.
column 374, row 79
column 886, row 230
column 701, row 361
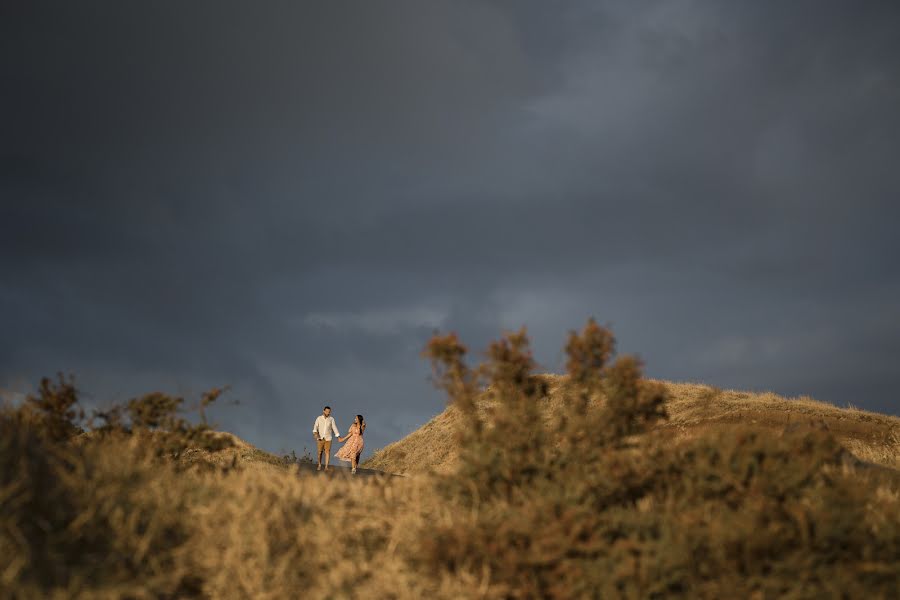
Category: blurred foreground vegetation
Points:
column 132, row 503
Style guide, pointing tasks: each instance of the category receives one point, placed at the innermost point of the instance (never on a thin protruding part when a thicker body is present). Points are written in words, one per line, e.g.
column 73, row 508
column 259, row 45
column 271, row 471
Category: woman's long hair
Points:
column 362, row 424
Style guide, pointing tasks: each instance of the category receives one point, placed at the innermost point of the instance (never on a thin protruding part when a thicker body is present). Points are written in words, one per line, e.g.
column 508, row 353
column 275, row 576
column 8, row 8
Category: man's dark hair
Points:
column 327, row 408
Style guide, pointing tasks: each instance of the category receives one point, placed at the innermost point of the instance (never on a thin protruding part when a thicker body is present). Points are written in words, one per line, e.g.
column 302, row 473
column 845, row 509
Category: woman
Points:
column 350, row 451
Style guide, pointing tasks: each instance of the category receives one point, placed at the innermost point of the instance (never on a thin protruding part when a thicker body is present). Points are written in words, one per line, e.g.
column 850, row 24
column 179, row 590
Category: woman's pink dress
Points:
column 353, row 446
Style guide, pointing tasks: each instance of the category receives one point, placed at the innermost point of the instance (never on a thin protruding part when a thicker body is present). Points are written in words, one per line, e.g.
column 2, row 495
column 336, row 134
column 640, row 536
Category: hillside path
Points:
column 340, row 471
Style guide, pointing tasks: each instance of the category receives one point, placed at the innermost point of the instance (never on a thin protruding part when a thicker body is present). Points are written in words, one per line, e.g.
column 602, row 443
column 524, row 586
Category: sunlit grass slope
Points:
column 694, row 409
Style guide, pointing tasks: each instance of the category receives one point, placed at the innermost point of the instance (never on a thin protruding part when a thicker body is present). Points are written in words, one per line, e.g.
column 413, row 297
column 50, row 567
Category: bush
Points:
column 601, row 507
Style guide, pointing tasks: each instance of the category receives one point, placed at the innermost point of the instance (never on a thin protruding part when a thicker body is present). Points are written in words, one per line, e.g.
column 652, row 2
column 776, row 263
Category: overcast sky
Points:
column 289, row 197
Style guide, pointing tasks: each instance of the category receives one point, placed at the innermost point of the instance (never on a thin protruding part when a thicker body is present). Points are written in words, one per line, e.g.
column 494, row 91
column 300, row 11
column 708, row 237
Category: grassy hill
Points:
column 735, row 495
column 693, row 409
column 237, row 453
column 233, row 452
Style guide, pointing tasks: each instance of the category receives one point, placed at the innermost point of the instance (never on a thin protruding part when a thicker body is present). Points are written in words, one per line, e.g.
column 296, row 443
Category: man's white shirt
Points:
column 324, row 426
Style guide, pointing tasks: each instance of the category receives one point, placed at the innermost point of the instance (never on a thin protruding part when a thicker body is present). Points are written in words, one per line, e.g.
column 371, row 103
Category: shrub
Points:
column 105, row 505
column 602, row 507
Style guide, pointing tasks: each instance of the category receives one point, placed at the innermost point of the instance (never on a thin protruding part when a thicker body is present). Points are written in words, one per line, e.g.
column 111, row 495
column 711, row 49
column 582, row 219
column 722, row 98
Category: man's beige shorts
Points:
column 323, row 445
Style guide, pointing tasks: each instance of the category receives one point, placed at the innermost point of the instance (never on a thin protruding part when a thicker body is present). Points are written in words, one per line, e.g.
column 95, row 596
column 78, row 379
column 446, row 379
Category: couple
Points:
column 349, row 452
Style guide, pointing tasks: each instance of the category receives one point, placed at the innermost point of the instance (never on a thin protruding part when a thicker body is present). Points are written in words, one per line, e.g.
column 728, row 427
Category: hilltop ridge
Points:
column 693, row 408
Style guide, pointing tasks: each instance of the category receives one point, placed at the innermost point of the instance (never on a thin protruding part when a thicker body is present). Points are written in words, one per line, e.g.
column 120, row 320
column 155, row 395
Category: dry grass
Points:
column 622, row 504
column 694, row 410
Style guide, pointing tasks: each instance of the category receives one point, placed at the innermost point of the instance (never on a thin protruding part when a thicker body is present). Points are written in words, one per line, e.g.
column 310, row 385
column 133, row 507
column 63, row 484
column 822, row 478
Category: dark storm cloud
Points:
column 291, row 198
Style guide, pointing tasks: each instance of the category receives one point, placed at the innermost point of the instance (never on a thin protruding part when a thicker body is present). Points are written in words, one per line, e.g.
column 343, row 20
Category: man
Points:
column 322, row 430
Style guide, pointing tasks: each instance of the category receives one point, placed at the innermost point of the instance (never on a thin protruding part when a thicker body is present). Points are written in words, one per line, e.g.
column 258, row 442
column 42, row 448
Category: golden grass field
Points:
column 694, row 409
column 642, row 490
